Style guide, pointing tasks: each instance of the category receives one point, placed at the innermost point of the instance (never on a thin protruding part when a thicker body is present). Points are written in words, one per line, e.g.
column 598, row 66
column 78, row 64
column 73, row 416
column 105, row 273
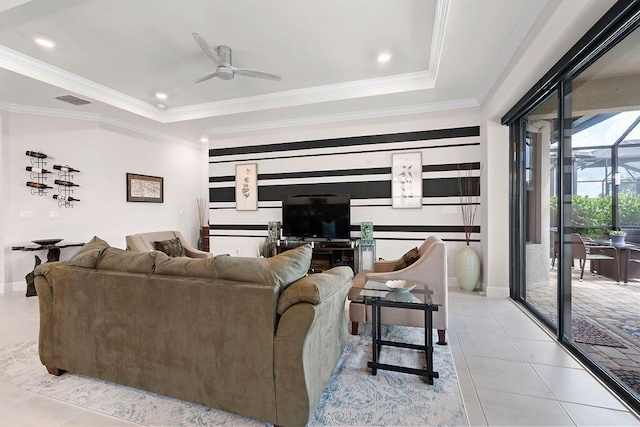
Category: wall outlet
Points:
column 450, row 210
column 54, row 214
column 25, row 215
column 237, row 251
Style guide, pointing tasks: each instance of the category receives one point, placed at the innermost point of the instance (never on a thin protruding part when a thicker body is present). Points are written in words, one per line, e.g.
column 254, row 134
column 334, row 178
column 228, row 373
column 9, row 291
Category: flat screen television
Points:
column 325, row 217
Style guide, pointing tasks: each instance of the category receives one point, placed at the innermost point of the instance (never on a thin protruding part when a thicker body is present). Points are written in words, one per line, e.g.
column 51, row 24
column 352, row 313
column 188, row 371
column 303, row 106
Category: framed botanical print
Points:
column 406, row 181
column 247, row 187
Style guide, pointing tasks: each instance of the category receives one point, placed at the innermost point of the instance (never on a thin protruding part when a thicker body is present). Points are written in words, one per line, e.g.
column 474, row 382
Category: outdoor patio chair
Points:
column 593, row 253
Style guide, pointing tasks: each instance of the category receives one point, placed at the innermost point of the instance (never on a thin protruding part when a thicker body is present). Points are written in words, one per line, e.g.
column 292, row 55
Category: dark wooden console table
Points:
column 327, row 255
column 53, row 254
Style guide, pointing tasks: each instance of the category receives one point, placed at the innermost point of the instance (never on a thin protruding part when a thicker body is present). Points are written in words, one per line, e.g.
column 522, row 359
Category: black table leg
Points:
column 428, row 340
column 31, row 278
column 375, row 337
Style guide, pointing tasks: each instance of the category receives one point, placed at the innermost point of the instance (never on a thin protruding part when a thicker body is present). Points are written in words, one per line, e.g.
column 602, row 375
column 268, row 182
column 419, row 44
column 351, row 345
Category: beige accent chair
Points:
column 143, row 242
column 430, row 268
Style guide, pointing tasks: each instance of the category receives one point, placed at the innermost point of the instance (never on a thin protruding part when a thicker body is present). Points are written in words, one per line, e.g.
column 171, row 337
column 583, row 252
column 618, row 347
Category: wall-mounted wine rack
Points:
column 65, row 186
column 38, row 175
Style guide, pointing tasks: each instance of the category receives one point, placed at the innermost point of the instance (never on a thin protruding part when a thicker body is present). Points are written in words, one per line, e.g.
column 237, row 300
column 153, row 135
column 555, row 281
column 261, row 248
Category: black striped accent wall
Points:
column 359, row 166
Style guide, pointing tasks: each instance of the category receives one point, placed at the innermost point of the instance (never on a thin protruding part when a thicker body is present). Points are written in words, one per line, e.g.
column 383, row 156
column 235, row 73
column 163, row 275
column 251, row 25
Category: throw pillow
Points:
column 87, row 256
column 280, row 270
column 407, row 259
column 115, row 259
column 172, row 247
column 204, row 268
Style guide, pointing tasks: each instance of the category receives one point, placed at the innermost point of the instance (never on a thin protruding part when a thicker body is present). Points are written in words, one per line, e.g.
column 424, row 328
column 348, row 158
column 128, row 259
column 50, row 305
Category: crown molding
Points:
column 98, row 118
column 46, row 73
column 421, row 80
column 345, row 117
column 437, row 38
column 292, row 98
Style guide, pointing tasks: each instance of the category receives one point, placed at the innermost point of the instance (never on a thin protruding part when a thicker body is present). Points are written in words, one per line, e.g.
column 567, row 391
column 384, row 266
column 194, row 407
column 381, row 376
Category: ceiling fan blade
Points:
column 211, row 53
column 254, row 73
column 204, row 78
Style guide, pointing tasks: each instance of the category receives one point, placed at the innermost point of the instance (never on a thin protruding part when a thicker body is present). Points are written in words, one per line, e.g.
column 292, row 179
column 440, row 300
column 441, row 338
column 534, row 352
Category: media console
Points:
column 328, row 254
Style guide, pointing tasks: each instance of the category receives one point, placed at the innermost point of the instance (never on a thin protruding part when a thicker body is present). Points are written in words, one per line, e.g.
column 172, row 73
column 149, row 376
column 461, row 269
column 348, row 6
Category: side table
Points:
column 53, row 254
column 420, row 298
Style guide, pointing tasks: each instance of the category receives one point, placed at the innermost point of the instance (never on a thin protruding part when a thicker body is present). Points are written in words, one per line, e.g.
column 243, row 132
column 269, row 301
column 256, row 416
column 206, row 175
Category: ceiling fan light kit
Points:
column 222, row 56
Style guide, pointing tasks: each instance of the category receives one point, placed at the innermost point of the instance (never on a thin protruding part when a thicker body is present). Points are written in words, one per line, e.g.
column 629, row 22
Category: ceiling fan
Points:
column 225, row 70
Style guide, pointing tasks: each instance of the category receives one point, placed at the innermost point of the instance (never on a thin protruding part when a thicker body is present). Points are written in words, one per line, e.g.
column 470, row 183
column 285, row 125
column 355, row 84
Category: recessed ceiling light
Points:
column 161, row 95
column 384, row 57
column 161, row 106
column 44, row 42
column 204, row 139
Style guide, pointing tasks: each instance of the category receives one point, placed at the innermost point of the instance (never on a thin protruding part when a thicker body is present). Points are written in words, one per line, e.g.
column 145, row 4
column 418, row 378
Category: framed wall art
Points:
column 247, row 187
column 406, row 181
column 145, row 188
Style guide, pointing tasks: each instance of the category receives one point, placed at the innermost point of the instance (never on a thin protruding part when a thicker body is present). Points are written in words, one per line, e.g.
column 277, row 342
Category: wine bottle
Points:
column 37, row 170
column 65, row 168
column 64, row 198
column 65, row 183
column 38, row 154
column 37, row 185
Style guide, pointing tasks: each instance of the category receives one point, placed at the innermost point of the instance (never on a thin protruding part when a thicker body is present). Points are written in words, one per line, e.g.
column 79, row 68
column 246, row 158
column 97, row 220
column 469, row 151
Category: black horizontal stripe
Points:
column 437, row 187
column 248, row 227
column 329, row 153
column 351, row 172
column 409, row 239
column 356, row 228
column 385, row 205
column 349, row 141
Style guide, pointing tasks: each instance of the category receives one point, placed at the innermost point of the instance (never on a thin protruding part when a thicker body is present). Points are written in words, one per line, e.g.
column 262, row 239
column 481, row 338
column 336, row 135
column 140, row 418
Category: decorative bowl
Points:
column 45, row 242
column 400, row 285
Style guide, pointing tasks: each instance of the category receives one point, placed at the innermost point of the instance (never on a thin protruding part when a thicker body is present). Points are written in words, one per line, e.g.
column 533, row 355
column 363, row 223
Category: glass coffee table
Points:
column 378, row 295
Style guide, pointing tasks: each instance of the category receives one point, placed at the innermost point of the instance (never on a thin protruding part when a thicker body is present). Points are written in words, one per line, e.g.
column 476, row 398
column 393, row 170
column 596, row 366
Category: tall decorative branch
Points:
column 202, row 210
column 469, row 189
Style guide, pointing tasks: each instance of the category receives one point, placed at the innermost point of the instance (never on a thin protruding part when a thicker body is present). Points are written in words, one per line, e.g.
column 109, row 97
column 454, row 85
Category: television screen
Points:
column 321, row 216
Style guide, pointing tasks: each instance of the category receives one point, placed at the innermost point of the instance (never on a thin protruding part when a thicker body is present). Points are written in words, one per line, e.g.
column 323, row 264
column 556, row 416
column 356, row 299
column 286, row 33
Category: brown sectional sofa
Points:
column 251, row 336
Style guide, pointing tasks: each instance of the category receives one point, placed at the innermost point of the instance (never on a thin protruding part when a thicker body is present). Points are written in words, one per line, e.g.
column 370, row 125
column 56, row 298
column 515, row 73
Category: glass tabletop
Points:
column 421, row 294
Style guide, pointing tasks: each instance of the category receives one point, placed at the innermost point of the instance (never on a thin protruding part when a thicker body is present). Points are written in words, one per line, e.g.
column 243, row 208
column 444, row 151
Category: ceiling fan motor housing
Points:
column 224, row 72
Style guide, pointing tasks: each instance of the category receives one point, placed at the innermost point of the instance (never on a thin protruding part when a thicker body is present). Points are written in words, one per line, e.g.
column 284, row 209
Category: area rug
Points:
column 353, row 396
column 630, row 327
column 587, row 332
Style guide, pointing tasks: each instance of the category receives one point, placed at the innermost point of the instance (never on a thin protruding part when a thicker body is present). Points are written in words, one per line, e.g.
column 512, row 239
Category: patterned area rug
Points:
column 632, row 328
column 353, row 396
column 587, row 332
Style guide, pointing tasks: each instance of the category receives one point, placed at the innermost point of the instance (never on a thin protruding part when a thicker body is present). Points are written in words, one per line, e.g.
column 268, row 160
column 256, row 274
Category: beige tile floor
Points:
column 511, row 372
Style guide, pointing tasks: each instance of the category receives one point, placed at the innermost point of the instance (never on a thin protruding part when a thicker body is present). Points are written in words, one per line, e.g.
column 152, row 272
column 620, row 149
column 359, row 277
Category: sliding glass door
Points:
column 538, row 188
column 575, row 190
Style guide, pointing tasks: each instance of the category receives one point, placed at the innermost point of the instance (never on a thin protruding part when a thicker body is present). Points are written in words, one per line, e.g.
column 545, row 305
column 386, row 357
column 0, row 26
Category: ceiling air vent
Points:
column 73, row 100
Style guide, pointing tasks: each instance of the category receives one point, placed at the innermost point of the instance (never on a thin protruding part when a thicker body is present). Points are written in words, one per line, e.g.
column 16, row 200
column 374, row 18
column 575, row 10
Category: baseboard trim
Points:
column 8, row 288
column 497, row 292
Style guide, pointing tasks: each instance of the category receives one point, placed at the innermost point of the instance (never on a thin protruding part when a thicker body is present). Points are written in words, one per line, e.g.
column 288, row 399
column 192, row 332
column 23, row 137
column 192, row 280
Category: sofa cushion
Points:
column 407, row 259
column 314, row 288
column 281, row 270
column 171, row 247
column 133, row 262
column 187, row 267
column 87, row 256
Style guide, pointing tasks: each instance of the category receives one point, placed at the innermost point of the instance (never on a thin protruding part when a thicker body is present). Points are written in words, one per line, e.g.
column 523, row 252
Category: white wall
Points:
column 103, row 154
column 232, row 241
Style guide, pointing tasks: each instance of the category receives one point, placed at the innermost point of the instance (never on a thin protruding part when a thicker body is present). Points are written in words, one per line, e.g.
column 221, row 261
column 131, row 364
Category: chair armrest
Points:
column 384, row 265
column 195, row 253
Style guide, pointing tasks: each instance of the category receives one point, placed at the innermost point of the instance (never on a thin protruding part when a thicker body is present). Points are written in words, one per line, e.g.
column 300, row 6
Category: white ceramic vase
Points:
column 467, row 269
